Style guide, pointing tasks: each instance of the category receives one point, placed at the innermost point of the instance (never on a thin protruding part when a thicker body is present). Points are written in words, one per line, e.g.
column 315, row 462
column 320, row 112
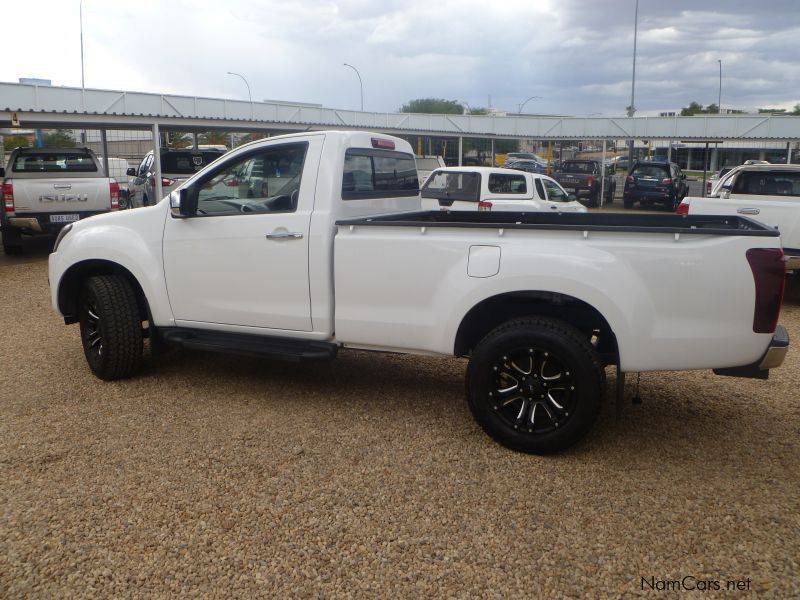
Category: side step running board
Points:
column 287, row 349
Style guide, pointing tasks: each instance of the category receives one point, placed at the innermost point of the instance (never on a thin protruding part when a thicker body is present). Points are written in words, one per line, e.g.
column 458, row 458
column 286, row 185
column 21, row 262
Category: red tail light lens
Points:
column 666, row 181
column 232, row 182
column 484, row 205
column 590, row 181
column 382, row 143
column 708, row 188
column 114, row 189
column 167, row 182
column 629, row 179
column 8, row 197
column 683, row 208
column 769, row 273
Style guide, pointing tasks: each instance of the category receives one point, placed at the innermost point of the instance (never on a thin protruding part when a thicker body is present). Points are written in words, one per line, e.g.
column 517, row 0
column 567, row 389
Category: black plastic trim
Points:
column 752, row 371
column 619, row 222
column 287, row 349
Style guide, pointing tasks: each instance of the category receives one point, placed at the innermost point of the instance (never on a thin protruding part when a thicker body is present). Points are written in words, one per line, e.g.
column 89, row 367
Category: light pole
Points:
column 360, row 83
column 521, row 106
column 249, row 96
column 631, row 108
column 80, row 16
column 245, row 82
column 719, row 98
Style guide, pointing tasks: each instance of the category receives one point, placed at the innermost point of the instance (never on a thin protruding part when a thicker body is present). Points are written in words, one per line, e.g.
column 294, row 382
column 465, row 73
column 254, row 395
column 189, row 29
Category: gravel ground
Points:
column 220, row 476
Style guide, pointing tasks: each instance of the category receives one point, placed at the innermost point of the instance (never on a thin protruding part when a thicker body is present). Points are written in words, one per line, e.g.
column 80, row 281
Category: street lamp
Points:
column 80, row 16
column 360, row 83
column 245, row 82
column 631, row 109
column 719, row 98
column 521, row 106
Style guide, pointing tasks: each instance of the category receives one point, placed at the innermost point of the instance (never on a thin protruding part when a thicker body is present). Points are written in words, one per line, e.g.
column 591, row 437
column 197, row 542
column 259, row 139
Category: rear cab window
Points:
column 453, row 185
column 767, row 183
column 650, row 171
column 187, row 163
column 54, row 162
column 370, row 173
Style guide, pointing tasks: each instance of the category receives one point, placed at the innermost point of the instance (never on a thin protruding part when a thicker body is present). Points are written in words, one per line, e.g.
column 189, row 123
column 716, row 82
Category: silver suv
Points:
column 176, row 167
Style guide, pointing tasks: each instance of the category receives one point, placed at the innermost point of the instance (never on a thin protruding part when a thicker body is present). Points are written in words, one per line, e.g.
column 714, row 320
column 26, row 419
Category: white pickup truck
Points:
column 765, row 192
column 46, row 188
column 340, row 256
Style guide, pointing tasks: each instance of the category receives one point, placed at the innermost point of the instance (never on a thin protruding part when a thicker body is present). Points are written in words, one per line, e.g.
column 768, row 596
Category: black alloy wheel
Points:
column 534, row 385
column 111, row 327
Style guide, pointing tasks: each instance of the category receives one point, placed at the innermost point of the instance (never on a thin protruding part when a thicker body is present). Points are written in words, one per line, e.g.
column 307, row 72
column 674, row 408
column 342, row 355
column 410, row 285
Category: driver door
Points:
column 243, row 259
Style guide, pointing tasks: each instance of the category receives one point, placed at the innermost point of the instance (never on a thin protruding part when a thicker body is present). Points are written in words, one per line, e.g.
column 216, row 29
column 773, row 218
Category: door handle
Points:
column 62, row 186
column 748, row 211
column 285, row 235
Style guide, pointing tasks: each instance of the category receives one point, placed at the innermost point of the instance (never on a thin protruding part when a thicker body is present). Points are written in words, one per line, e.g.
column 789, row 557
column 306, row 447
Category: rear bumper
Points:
column 653, row 196
column 39, row 223
column 772, row 359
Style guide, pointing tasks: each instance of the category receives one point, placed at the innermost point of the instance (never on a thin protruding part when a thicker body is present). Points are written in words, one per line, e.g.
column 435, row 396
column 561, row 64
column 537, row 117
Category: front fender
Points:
column 130, row 240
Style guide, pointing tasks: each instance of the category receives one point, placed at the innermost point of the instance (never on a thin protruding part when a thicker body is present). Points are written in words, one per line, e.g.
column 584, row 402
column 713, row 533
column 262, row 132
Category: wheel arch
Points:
column 69, row 287
column 498, row 309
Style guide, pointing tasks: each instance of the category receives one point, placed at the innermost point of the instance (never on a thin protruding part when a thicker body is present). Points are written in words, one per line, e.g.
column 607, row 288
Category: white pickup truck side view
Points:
column 46, row 188
column 765, row 192
column 340, row 256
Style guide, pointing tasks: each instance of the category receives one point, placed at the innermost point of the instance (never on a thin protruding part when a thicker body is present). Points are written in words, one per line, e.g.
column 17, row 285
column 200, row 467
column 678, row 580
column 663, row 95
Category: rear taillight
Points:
column 683, row 208
column 667, row 181
column 483, row 205
column 232, row 183
column 167, row 182
column 708, row 188
column 590, row 181
column 8, row 197
column 629, row 179
column 769, row 273
column 113, row 187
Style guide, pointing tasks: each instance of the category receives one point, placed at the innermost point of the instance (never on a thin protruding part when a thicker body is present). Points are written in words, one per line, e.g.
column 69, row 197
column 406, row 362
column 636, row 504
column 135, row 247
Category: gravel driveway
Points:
column 223, row 476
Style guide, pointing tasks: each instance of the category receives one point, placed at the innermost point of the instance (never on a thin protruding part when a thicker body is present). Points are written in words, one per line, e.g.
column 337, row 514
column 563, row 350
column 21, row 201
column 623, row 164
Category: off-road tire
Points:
column 111, row 327
column 12, row 242
column 497, row 386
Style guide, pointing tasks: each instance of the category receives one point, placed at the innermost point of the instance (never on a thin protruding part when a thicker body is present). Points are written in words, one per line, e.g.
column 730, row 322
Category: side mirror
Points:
column 131, row 172
column 183, row 203
column 725, row 191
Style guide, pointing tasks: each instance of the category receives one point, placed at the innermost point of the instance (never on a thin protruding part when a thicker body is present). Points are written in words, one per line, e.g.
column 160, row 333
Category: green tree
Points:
column 17, row 141
column 434, row 106
column 771, row 110
column 215, row 137
column 711, row 109
column 694, row 108
column 178, row 139
column 58, row 138
column 796, row 110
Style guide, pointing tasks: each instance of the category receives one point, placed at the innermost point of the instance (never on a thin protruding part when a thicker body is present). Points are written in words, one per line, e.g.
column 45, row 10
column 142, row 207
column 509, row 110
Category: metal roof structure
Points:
column 37, row 106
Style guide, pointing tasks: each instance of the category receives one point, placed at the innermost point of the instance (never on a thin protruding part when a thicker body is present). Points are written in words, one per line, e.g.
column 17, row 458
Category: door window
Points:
column 378, row 174
column 507, row 184
column 264, row 181
column 555, row 192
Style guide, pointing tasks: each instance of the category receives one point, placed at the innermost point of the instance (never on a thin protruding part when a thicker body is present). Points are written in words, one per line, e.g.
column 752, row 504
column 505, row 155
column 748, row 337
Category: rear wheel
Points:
column 111, row 327
column 12, row 242
column 594, row 198
column 610, row 195
column 534, row 385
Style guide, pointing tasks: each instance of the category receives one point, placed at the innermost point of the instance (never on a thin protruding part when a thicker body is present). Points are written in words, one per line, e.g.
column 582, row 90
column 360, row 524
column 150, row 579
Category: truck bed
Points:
column 611, row 222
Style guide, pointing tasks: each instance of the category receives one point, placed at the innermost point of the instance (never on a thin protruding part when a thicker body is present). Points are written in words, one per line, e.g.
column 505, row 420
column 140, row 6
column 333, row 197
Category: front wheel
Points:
column 111, row 327
column 534, row 385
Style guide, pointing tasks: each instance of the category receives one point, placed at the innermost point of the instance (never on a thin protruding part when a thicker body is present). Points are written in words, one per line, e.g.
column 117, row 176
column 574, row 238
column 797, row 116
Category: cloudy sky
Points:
column 575, row 54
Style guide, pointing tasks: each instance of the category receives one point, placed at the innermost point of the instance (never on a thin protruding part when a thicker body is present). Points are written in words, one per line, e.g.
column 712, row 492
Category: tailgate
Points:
column 62, row 194
column 572, row 180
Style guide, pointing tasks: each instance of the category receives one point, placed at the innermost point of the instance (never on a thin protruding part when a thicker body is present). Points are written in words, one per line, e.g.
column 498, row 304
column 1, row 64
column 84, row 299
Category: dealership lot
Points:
column 221, row 475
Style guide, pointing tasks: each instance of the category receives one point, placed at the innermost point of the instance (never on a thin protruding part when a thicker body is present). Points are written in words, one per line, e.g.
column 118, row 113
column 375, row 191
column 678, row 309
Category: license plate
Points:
column 64, row 218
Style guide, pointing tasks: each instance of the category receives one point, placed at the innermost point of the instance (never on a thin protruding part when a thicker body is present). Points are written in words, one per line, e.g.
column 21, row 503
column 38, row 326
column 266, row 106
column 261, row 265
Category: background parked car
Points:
column 176, row 166
column 118, row 170
column 584, row 178
column 531, row 166
column 495, row 189
column 650, row 182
